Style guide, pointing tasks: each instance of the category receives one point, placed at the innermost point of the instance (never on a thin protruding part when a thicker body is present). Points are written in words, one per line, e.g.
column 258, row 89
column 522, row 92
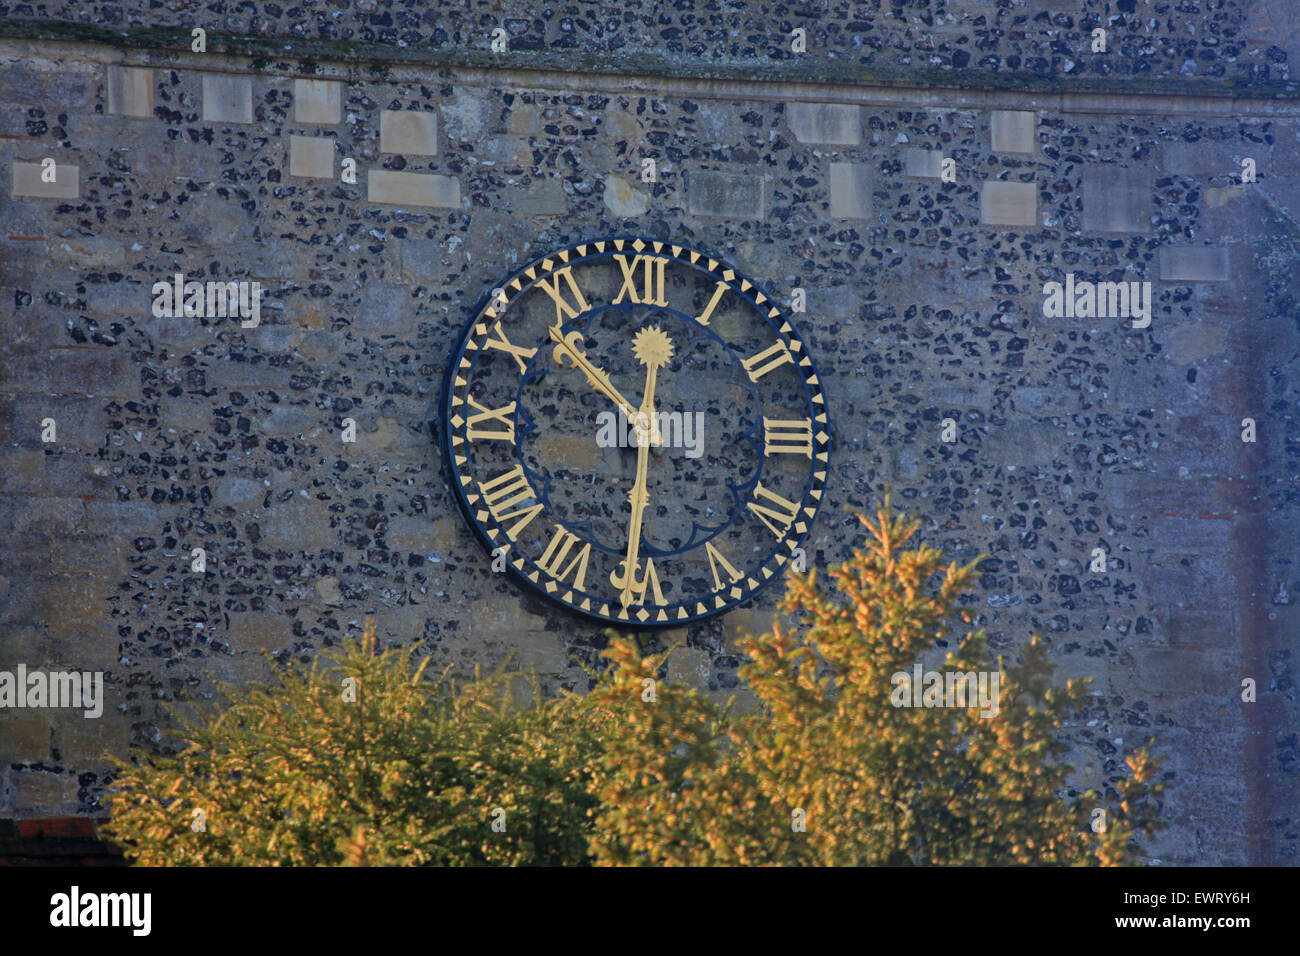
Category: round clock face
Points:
column 635, row 432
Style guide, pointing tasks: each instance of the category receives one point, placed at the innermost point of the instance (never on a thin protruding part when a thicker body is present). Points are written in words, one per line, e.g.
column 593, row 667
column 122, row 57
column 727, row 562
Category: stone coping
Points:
column 341, row 59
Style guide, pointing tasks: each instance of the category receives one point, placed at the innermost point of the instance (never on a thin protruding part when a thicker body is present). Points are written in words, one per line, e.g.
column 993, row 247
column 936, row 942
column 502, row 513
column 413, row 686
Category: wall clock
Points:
column 636, row 432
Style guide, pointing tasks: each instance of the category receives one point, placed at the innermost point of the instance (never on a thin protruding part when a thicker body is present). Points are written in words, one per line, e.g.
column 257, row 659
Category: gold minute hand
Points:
column 570, row 346
column 626, row 579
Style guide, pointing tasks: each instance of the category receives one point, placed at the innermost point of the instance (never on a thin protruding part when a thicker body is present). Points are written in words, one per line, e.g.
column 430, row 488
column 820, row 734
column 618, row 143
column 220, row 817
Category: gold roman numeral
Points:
column 787, row 437
column 776, row 355
column 652, row 268
column 504, row 492
column 649, row 580
column 777, row 521
column 521, row 355
column 715, row 559
column 561, row 544
column 703, row 317
column 499, row 415
column 562, row 307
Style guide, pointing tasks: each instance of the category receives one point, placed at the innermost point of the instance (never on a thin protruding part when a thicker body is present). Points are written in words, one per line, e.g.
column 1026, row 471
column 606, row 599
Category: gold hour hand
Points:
column 570, row 347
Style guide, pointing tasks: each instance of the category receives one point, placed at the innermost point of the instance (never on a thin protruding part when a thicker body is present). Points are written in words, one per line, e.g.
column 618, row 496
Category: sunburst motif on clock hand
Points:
column 652, row 348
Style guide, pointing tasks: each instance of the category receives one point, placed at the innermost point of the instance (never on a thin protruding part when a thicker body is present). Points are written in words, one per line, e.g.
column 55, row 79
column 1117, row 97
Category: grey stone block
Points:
column 227, row 99
column 1194, row 341
column 65, row 371
column 1117, row 199
column 1208, row 625
column 1014, row 131
column 120, row 300
column 130, row 91
column 851, row 186
column 51, row 516
column 29, row 179
column 386, row 307
column 1046, row 401
column 420, row 259
column 317, row 101
column 122, row 517
column 974, row 394
column 1188, row 671
column 1196, row 535
column 242, row 494
column 413, row 189
column 297, row 524
column 287, row 421
column 1194, row 263
column 838, row 302
column 1021, row 442
column 546, row 198
column 1205, row 158
column 213, row 220
column 1008, row 204
column 922, row 162
column 730, row 195
column 409, row 534
column 825, row 123
column 311, row 157
column 410, row 132
column 79, row 422
column 87, row 250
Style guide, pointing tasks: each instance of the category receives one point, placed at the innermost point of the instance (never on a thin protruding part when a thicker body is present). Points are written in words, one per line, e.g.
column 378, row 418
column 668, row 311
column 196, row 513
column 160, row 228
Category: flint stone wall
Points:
column 924, row 303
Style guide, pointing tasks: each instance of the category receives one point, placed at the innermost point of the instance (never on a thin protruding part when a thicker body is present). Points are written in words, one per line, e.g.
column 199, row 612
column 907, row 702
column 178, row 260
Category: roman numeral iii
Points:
column 787, row 436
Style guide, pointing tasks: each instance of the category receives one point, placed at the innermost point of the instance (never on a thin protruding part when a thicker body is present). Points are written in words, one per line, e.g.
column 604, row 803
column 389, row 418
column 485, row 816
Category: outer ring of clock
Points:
column 762, row 305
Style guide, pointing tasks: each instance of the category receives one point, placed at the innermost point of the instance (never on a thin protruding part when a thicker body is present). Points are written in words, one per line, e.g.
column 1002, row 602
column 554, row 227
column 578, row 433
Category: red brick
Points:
column 62, row 827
